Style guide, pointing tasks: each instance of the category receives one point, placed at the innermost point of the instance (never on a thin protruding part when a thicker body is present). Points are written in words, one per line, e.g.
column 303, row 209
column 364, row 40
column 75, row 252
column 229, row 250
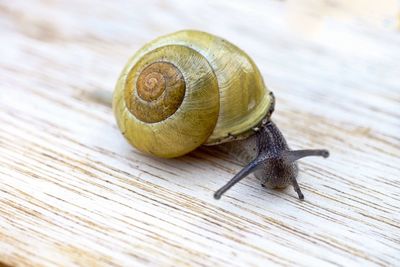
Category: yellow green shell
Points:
column 187, row 89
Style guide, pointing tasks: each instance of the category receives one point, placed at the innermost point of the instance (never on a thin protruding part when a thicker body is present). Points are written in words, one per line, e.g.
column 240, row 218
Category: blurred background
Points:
column 292, row 41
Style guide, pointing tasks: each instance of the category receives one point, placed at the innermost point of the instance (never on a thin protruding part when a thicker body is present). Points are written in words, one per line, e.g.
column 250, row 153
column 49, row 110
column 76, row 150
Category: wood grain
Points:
column 72, row 192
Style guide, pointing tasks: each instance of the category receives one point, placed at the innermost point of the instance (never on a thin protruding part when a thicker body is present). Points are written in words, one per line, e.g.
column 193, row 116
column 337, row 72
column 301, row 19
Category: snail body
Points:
column 191, row 88
column 268, row 156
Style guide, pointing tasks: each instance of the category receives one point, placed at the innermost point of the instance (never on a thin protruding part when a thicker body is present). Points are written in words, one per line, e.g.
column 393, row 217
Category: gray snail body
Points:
column 267, row 154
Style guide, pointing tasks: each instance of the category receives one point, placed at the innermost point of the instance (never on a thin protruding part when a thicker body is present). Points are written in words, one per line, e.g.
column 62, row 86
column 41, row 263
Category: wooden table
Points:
column 73, row 192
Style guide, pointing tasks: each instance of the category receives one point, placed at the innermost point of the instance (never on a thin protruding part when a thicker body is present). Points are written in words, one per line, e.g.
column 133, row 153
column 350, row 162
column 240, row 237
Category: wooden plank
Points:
column 72, row 192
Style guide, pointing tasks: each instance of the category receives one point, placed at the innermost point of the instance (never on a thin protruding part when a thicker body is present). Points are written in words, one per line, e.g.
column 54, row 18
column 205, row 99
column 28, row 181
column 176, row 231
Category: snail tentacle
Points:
column 248, row 169
column 293, row 155
column 297, row 188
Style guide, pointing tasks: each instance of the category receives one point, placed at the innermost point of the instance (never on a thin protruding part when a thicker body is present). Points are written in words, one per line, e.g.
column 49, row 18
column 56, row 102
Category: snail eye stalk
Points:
column 248, row 169
column 293, row 155
column 297, row 188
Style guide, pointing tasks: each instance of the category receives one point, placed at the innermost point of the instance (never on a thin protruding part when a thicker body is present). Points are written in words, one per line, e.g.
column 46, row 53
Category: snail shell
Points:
column 187, row 89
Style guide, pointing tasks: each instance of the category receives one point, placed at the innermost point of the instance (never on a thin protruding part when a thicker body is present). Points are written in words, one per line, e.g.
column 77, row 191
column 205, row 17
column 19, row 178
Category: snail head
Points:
column 275, row 165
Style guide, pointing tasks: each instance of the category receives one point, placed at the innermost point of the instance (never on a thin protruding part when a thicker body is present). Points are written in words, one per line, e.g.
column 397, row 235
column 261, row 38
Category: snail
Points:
column 192, row 88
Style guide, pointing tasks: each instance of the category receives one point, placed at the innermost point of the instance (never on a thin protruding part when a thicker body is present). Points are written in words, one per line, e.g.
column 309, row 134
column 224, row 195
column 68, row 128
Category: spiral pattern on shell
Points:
column 167, row 101
column 160, row 89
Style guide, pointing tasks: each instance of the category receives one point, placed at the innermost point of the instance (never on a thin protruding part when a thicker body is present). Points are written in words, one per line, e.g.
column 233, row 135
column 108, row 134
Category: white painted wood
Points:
column 72, row 192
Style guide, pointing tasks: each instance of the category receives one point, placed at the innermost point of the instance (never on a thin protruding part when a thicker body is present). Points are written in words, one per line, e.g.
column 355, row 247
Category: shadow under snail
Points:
column 191, row 88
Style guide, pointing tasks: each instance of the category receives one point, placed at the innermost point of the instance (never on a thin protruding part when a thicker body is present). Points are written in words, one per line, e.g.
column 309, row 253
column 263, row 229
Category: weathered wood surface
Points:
column 72, row 192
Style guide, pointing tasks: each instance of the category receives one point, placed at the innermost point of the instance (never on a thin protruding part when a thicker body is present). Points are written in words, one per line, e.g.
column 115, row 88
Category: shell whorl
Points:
column 167, row 101
column 160, row 89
